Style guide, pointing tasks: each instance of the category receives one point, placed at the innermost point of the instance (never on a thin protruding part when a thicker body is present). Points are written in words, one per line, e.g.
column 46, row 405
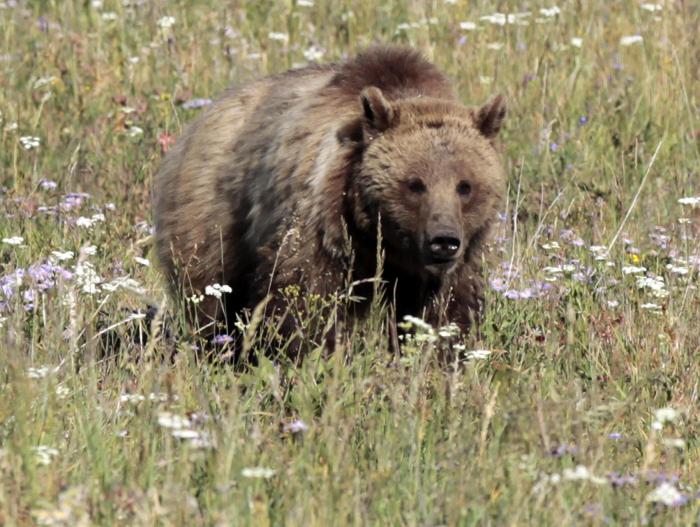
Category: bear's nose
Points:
column 443, row 247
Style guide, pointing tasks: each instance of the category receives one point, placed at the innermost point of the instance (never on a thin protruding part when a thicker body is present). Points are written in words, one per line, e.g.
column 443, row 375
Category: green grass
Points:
column 390, row 440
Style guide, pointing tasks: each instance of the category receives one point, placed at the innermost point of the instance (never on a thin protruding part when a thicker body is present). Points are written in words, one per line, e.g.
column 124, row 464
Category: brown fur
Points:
column 283, row 182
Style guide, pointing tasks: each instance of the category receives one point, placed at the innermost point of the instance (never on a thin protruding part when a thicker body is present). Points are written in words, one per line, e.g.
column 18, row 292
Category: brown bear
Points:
column 300, row 178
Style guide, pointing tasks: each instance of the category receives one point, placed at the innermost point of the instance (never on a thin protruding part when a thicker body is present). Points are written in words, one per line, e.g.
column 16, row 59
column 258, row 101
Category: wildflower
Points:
column 166, row 22
column 132, row 398
column 494, row 45
column 305, row 3
column 581, row 473
column 501, row 19
column 221, row 340
column 478, row 355
column 193, row 104
column 677, row 269
column 633, row 39
column 142, row 261
column 134, row 132
column 89, row 250
column 666, row 414
column 216, row 290
column 62, row 255
column 29, row 142
column 582, row 120
column 632, row 269
column 47, row 184
column 668, row 495
column 13, row 240
column 87, row 278
column 577, row 42
column 618, row 480
column 467, row 26
column 655, row 285
column 258, row 472
column 550, row 12
column 313, row 54
column 550, row 246
column 44, row 454
column 674, row 442
column 295, row 427
column 109, row 16
column 690, row 200
column 40, row 372
column 169, row 420
column 650, row 306
column 615, row 435
column 651, row 7
column 280, row 37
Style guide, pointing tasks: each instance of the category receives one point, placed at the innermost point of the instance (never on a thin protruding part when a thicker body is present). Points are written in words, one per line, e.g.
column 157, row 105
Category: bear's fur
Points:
column 289, row 180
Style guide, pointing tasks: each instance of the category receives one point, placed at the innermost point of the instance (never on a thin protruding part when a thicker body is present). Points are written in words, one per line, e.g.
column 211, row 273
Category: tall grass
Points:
column 593, row 308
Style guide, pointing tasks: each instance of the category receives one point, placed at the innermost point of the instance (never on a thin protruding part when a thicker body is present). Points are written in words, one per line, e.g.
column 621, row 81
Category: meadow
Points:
column 578, row 399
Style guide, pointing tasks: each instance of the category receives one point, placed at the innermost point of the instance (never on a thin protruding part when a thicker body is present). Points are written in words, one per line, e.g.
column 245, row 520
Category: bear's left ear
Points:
column 489, row 118
column 378, row 112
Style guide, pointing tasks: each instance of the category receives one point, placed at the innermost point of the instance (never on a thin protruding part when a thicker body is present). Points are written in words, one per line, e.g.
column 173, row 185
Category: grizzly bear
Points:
column 301, row 178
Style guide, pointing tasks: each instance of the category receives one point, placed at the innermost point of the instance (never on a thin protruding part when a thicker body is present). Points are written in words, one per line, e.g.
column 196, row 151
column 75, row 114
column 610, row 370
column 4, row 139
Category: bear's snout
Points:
column 444, row 247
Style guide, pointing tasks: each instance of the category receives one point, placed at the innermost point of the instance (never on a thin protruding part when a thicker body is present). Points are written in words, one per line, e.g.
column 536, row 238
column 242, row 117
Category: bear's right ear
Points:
column 489, row 118
column 377, row 111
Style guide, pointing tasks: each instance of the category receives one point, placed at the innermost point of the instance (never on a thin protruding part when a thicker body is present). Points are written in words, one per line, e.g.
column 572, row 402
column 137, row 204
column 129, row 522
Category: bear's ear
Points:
column 489, row 118
column 377, row 111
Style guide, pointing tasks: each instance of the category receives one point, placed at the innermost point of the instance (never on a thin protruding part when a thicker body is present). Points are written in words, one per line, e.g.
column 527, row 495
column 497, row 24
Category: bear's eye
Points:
column 464, row 188
column 417, row 186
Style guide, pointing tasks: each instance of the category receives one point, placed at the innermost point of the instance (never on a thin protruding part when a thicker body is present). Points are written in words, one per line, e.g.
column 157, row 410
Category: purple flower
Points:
column 222, row 339
column 462, row 40
column 615, row 435
column 47, row 184
column 193, row 104
column 619, row 480
column 582, row 120
column 553, row 147
column 497, row 284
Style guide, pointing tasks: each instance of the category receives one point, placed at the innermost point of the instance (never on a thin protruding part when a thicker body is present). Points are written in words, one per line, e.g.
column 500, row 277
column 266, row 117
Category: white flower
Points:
column 674, row 442
column 651, row 7
column 655, row 285
column 89, row 250
column 501, row 19
column 581, row 473
column 494, row 45
column 123, row 282
column 62, row 256
column 478, row 355
column 666, row 494
column 133, row 398
column 633, row 269
column 169, row 420
column 666, row 415
column 418, row 323
column 550, row 246
column 280, row 37
column 305, row 3
column 216, row 290
column 258, row 472
column 109, row 15
column 62, row 391
column 577, row 42
column 651, row 306
column 166, row 22
column 633, row 39
column 550, row 12
column 40, row 372
column 87, row 278
column 142, row 261
column 690, row 200
column 313, row 54
column 29, row 141
column 44, row 454
column 134, row 132
column 467, row 26
column 13, row 240
column 43, row 81
column 677, row 269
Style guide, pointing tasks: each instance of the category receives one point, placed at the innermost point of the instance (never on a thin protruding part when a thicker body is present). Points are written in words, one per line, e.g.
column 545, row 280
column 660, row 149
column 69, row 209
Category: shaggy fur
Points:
column 284, row 181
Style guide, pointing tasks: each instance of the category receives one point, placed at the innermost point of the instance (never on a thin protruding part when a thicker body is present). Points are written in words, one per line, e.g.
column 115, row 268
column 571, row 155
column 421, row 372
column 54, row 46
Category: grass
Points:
column 557, row 425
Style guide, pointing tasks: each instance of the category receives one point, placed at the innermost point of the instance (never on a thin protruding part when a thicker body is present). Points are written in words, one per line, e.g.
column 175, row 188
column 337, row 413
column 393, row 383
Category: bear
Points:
column 299, row 179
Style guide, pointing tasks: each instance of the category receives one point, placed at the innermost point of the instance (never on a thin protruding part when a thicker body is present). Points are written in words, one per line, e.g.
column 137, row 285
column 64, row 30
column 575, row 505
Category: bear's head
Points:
column 431, row 174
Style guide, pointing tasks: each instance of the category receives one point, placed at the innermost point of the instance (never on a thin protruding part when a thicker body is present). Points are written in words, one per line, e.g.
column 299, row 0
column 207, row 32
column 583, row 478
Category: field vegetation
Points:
column 576, row 403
